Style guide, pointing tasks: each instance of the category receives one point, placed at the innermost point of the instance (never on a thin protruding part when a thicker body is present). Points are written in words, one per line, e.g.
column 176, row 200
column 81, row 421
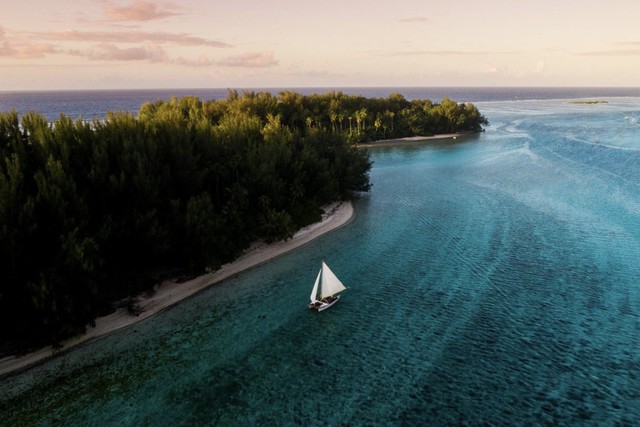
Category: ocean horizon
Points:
column 94, row 104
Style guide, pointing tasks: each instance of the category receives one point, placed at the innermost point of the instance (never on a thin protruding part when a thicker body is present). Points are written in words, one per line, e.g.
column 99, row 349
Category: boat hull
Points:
column 323, row 305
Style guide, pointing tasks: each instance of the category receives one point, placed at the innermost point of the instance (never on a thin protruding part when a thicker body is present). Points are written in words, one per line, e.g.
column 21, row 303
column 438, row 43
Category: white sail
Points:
column 331, row 285
column 314, row 292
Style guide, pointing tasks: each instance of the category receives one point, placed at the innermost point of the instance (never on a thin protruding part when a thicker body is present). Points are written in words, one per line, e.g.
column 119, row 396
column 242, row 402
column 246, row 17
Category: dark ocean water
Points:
column 494, row 280
column 95, row 104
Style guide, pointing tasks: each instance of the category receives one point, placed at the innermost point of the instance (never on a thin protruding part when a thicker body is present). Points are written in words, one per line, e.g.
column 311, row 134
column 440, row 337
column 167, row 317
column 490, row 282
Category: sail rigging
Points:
column 328, row 284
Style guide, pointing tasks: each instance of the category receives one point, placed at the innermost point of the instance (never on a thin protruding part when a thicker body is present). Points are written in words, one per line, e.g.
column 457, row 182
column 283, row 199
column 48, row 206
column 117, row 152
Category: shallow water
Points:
column 491, row 280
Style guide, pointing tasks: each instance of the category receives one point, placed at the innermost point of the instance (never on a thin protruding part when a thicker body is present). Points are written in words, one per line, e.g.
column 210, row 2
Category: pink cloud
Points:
column 140, row 11
column 202, row 61
column 250, row 60
column 151, row 53
column 111, row 52
column 35, row 50
column 29, row 51
column 182, row 39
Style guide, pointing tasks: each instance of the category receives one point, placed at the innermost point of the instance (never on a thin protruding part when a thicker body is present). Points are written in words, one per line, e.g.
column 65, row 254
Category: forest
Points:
column 92, row 213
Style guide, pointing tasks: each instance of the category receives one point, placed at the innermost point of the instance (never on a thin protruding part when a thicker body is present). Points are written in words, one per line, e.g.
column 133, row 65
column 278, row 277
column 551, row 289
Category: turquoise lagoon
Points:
column 492, row 280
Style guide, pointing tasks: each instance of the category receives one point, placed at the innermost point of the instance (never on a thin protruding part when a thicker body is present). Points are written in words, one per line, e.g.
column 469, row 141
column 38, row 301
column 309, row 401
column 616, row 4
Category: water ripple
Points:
column 492, row 281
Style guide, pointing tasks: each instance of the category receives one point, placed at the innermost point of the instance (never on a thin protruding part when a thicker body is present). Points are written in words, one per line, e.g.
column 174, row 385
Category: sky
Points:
column 129, row 44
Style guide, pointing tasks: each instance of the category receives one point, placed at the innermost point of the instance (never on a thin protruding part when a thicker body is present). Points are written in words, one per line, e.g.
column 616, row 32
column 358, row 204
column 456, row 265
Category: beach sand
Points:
column 413, row 139
column 169, row 293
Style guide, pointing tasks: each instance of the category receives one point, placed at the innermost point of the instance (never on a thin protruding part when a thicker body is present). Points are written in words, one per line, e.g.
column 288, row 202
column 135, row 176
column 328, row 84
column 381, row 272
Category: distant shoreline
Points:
column 588, row 102
column 171, row 293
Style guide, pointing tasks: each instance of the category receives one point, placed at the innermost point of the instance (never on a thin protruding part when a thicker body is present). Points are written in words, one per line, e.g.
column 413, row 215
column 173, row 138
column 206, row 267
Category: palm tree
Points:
column 377, row 122
column 361, row 117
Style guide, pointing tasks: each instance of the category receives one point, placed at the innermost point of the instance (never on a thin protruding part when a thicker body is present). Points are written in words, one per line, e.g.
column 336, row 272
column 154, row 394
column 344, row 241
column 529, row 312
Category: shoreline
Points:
column 170, row 292
column 412, row 139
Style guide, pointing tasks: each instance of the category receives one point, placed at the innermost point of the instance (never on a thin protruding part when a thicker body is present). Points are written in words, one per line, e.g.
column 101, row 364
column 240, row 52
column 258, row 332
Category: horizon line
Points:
column 245, row 88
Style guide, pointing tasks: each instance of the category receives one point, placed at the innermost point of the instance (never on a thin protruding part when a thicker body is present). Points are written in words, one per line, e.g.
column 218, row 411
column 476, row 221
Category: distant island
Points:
column 588, row 102
column 93, row 213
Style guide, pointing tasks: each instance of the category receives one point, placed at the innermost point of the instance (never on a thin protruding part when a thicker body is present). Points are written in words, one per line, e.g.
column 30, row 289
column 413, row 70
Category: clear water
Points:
column 493, row 280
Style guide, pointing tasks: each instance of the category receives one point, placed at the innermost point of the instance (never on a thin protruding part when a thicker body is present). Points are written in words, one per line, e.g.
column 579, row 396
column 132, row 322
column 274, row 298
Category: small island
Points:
column 94, row 214
column 588, row 102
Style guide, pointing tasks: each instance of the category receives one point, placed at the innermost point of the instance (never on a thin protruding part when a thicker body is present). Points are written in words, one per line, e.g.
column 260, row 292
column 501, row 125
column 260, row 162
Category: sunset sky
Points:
column 111, row 44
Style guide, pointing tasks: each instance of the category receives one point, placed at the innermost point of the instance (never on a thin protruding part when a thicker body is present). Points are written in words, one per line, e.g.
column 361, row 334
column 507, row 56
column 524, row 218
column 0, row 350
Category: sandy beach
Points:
column 169, row 293
column 412, row 139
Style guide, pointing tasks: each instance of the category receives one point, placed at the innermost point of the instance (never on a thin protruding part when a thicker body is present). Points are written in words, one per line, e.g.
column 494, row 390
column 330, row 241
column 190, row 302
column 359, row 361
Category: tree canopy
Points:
column 93, row 212
column 356, row 118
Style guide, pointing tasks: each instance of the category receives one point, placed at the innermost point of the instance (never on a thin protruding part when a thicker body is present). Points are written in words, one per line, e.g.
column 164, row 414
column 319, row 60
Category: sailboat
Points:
column 329, row 285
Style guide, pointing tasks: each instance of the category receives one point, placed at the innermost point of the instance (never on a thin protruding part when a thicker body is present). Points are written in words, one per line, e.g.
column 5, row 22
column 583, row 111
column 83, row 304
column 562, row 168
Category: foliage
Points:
column 359, row 119
column 92, row 213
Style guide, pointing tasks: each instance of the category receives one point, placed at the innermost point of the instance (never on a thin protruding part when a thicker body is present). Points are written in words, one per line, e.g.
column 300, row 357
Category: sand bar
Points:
column 169, row 293
column 412, row 139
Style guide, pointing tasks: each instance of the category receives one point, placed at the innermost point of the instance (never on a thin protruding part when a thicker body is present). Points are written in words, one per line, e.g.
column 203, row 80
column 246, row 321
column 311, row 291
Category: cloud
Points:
column 127, row 45
column 502, row 70
column 35, row 50
column 156, row 54
column 182, row 39
column 140, row 11
column 27, row 51
column 250, row 60
column 202, row 61
column 414, row 19
column 497, row 69
column 111, row 52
